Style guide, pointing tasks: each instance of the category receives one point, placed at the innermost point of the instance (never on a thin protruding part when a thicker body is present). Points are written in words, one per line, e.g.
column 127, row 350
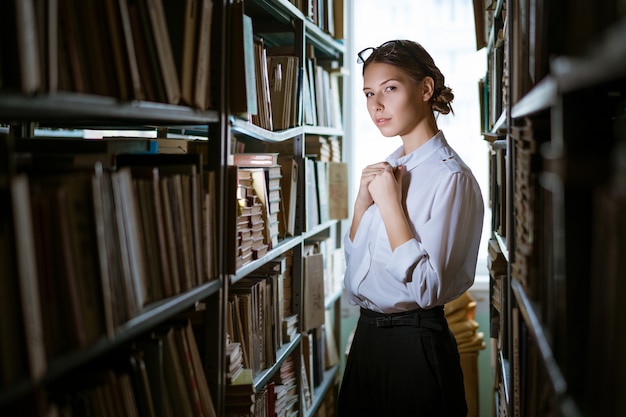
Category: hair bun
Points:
column 441, row 103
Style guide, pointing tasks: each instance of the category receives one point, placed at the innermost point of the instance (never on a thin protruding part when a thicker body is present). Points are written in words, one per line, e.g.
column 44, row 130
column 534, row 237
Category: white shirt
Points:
column 445, row 208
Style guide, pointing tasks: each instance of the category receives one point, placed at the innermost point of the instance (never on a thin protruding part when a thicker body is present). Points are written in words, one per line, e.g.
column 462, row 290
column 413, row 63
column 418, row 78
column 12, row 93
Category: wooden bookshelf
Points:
column 169, row 197
column 557, row 191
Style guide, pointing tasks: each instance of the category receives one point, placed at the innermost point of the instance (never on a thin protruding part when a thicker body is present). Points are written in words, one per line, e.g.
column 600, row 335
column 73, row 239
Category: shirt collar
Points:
column 419, row 155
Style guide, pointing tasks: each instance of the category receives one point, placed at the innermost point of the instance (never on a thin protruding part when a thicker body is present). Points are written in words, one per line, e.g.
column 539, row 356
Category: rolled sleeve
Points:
column 404, row 259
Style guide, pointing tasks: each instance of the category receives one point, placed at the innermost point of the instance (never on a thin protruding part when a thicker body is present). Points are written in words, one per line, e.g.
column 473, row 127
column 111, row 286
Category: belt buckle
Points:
column 384, row 321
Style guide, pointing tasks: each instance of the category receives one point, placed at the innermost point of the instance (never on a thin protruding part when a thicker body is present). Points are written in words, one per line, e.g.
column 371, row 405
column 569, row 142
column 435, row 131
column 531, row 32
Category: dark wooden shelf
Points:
column 283, row 246
column 605, row 63
column 245, row 128
column 283, row 353
column 78, row 108
column 535, row 326
column 152, row 315
column 541, row 97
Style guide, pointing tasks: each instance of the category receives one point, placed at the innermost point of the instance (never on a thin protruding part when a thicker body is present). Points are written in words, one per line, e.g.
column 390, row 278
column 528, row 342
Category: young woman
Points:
column 412, row 246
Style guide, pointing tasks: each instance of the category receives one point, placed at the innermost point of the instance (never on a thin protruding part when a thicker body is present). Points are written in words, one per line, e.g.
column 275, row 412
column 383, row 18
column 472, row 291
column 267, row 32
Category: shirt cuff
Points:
column 404, row 259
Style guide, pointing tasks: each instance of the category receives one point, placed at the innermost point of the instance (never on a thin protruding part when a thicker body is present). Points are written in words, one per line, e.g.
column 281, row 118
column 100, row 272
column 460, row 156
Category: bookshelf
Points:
column 556, row 195
column 119, row 267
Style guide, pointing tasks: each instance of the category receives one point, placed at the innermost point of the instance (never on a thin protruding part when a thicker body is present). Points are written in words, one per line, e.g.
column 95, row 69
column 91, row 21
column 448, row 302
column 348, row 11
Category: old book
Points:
column 338, row 190
column 313, row 291
column 48, row 37
column 283, row 74
column 243, row 79
column 163, row 48
column 181, row 200
column 123, row 50
column 260, row 187
column 152, row 351
column 312, row 216
column 331, row 350
column 141, row 385
column 129, row 232
column 29, row 294
column 264, row 105
column 230, row 244
column 202, row 91
column 182, row 21
column 13, row 358
column 97, row 48
column 71, row 58
column 148, row 70
column 153, row 241
column 27, row 45
column 259, row 159
column 175, row 375
column 188, row 368
column 323, row 200
column 209, row 234
column 79, row 202
column 115, row 294
column 206, row 400
column 289, row 195
column 76, row 331
column 189, row 25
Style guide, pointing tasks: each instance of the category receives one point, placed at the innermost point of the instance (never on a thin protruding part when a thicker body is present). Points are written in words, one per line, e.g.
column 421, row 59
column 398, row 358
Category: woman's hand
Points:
column 386, row 186
column 364, row 198
column 386, row 191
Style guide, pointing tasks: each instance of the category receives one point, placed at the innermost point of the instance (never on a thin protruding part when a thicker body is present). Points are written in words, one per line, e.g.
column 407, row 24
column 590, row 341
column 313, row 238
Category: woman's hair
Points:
column 405, row 54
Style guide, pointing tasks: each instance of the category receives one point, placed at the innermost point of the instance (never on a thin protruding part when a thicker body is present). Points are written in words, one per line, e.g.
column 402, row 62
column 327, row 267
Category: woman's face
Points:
column 394, row 101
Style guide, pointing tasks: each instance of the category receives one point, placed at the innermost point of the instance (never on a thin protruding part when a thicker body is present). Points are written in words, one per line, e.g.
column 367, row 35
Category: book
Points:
column 181, row 192
column 323, row 200
column 189, row 25
column 243, row 79
column 141, row 385
column 151, row 349
column 202, row 96
column 129, row 234
column 312, row 216
column 255, row 159
column 29, row 293
column 313, row 291
column 264, row 117
column 289, row 195
column 13, row 358
column 337, row 190
column 47, row 14
column 123, row 50
column 182, row 19
column 174, row 372
column 283, row 75
column 27, row 45
column 157, row 29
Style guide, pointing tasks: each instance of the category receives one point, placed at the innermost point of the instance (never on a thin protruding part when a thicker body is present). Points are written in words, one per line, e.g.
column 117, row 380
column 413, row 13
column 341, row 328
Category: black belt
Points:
column 433, row 318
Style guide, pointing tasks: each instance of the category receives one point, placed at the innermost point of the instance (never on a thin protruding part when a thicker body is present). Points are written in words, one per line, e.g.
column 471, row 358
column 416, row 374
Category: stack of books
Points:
column 461, row 314
column 250, row 221
column 264, row 171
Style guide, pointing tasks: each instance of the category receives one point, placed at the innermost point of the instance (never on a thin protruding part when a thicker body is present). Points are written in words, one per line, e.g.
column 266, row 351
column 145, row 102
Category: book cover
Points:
column 243, row 79
column 337, row 190
column 312, row 216
column 323, row 201
column 313, row 291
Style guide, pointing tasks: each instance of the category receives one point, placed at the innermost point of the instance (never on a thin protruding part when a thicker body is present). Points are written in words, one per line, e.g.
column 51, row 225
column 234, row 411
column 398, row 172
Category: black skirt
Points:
column 404, row 364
